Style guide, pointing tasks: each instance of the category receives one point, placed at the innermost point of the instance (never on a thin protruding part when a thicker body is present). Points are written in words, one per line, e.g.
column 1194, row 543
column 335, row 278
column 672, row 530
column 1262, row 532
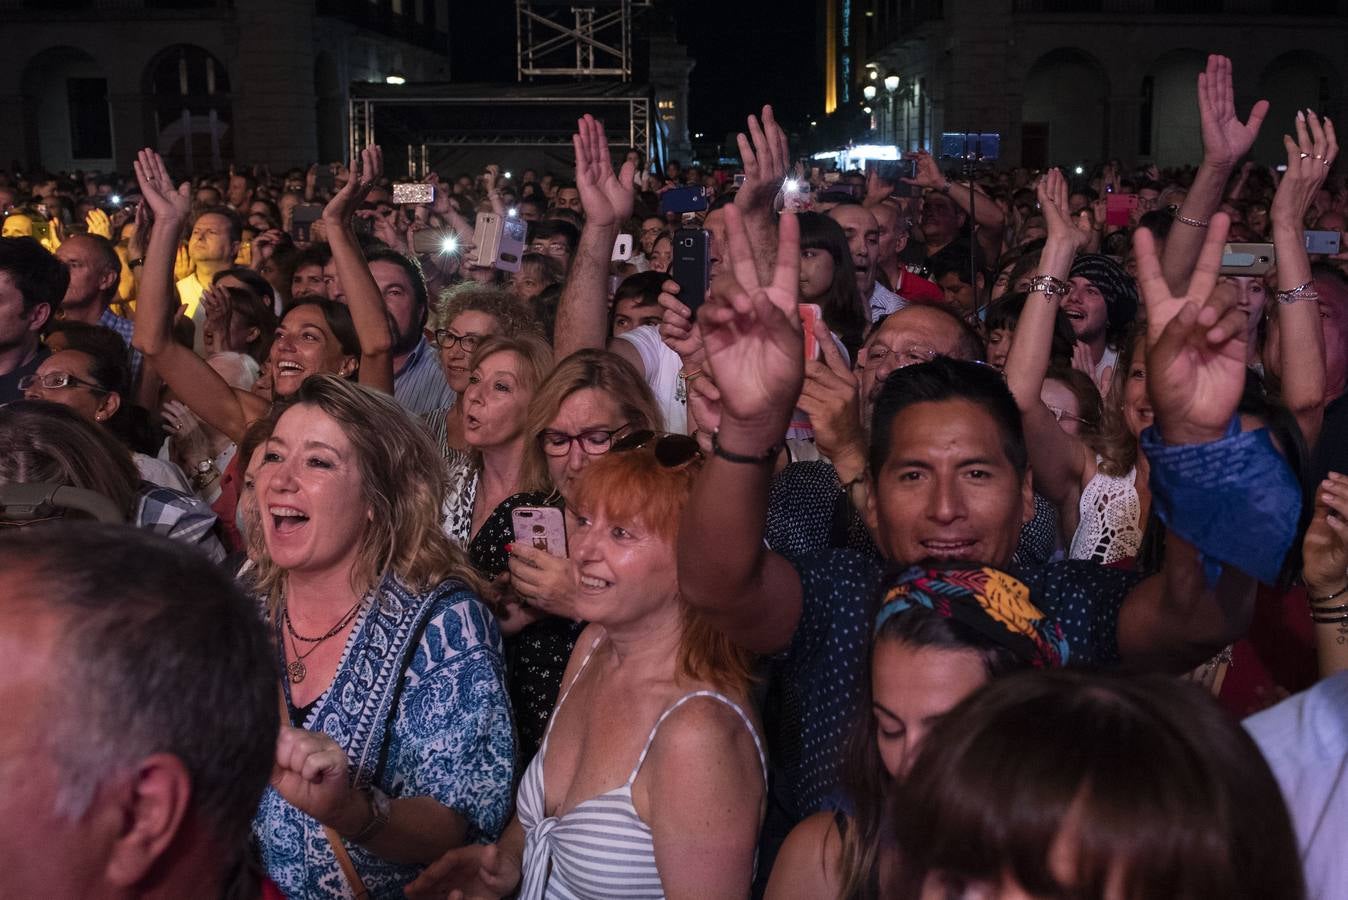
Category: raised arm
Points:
column 1225, row 140
column 988, row 219
column 362, row 293
column 1301, row 341
column 1196, row 350
column 196, row 383
column 1324, row 556
column 1059, row 460
column 582, row 310
column 755, row 352
column 766, row 155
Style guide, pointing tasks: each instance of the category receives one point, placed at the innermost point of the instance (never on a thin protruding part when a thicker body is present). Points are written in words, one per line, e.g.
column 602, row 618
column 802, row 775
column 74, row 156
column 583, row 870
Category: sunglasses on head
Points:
column 671, row 450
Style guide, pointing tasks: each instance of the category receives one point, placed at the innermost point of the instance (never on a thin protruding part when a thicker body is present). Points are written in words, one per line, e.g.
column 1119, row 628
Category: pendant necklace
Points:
column 296, row 669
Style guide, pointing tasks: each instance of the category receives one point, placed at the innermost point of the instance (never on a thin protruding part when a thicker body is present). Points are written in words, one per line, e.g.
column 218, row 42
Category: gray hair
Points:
column 160, row 653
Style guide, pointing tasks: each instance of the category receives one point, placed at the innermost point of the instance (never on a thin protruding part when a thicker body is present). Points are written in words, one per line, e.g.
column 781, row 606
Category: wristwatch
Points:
column 379, row 813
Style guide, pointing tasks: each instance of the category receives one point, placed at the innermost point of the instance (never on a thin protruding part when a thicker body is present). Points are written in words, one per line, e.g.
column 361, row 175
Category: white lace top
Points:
column 1110, row 528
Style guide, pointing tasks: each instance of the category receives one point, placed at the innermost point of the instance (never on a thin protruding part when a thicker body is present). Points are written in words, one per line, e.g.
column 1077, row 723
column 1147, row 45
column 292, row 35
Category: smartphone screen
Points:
column 1119, row 209
column 540, row 527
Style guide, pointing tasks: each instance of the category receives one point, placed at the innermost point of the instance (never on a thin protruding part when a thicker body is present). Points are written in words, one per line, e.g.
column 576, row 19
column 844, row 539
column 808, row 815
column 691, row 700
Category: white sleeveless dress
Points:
column 1110, row 528
column 601, row 848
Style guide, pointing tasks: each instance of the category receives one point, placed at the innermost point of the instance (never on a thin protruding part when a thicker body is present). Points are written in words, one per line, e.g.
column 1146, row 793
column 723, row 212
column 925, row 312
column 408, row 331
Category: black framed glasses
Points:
column 671, row 450
column 593, row 442
column 446, row 340
column 53, row 381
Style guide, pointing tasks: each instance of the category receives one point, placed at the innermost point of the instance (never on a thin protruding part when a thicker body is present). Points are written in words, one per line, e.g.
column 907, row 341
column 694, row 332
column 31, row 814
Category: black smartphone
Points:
column 891, row 170
column 692, row 266
column 302, row 220
column 684, row 200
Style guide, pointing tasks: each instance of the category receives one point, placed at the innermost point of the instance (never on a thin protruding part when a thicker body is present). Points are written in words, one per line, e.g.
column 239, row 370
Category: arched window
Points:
column 190, row 91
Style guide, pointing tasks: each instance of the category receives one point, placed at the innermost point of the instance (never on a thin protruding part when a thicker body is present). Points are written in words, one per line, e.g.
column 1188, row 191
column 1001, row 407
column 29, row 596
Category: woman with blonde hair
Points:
column 398, row 744
column 651, row 779
column 463, row 318
column 592, row 398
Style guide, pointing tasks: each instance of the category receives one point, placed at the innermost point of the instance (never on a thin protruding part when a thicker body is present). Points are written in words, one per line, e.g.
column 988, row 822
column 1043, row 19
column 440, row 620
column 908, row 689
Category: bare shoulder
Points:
column 807, row 865
column 706, row 739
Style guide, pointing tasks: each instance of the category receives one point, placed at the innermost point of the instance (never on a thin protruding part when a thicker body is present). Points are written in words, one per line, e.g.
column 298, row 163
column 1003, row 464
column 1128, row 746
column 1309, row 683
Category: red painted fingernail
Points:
column 508, row 546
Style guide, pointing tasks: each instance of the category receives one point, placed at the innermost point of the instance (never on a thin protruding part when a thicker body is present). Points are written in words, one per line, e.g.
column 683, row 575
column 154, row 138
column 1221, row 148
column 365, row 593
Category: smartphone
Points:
column 890, row 171
column 796, row 196
column 683, row 200
column 691, row 267
column 324, row 180
column 510, row 250
column 435, row 240
column 487, row 232
column 302, row 219
column 622, row 248
column 1247, row 259
column 41, row 228
column 810, row 314
column 739, row 180
column 1322, row 242
column 412, row 192
column 1119, row 209
column 540, row 527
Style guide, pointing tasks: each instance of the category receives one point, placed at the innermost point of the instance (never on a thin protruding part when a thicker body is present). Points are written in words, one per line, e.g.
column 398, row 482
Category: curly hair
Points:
column 511, row 316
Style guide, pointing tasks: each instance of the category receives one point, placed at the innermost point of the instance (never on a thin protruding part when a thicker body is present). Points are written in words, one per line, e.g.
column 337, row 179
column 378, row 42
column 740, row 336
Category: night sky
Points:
column 748, row 52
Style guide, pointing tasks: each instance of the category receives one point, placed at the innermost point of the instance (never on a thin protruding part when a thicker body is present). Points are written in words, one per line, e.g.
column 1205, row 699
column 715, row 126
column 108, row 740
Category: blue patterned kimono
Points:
column 420, row 704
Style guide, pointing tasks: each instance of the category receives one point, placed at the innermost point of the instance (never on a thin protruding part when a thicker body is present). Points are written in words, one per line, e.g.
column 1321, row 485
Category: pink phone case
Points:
column 809, row 314
column 540, row 527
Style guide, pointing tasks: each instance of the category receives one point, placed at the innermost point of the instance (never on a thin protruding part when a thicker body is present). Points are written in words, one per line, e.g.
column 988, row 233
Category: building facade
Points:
column 87, row 83
column 1056, row 82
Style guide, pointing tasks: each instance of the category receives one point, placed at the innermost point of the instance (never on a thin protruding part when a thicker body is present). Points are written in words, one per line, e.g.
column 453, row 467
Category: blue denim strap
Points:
column 1235, row 499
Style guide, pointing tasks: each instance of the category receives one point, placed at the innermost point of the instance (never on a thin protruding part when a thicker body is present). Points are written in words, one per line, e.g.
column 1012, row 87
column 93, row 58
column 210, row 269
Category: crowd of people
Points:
column 961, row 534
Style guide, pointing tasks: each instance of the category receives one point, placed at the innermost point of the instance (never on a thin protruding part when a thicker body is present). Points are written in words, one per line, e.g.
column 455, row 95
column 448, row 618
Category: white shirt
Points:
column 189, row 294
column 662, row 367
column 883, row 301
column 1305, row 740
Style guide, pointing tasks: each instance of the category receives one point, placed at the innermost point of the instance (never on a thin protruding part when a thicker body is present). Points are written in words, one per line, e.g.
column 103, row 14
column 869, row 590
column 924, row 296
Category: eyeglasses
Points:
column 671, row 450
column 447, row 339
column 56, row 380
column 1060, row 414
column 595, row 442
column 909, row 355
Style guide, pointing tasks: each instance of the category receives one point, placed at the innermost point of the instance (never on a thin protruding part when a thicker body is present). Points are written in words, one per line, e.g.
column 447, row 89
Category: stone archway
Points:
column 1064, row 110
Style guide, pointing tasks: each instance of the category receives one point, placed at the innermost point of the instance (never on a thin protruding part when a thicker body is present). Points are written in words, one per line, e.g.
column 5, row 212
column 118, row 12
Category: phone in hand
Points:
column 684, row 200
column 510, row 250
column 487, row 232
column 1249, row 260
column 324, row 180
column 810, row 315
column 540, row 527
column 1119, row 209
column 692, row 266
column 1322, row 242
column 413, row 192
column 622, row 248
column 302, row 219
column 891, row 171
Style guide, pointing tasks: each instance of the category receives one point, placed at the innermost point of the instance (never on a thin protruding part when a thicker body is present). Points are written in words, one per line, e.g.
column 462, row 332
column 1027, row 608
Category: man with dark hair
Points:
column 418, row 380
column 32, row 283
column 139, row 693
column 212, row 246
column 555, row 238
column 1101, row 306
column 947, row 479
column 961, row 291
column 95, row 270
column 568, row 197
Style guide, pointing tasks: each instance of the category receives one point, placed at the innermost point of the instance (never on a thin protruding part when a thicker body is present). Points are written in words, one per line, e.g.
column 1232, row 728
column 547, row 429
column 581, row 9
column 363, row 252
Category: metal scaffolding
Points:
column 575, row 38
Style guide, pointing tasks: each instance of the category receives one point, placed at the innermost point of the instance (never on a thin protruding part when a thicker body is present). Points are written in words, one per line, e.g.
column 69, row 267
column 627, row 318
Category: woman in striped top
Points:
column 651, row 780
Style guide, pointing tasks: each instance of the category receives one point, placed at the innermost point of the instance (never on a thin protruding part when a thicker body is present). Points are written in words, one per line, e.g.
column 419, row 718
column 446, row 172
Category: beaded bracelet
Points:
column 1316, row 601
column 1050, row 285
column 1192, row 223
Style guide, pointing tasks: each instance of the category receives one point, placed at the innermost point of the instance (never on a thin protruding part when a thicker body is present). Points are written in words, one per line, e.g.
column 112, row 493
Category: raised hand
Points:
column 547, row 582
column 167, row 204
column 98, row 223
column 1309, row 159
column 1053, row 204
column 767, row 158
column 364, row 171
column 310, row 772
column 607, row 198
column 476, row 872
column 928, row 174
column 219, row 310
column 1324, row 552
column 1225, row 138
column 1196, row 342
column 677, row 328
column 831, row 398
column 751, row 330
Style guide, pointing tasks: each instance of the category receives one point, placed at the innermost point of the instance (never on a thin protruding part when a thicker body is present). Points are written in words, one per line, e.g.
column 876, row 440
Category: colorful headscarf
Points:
column 987, row 600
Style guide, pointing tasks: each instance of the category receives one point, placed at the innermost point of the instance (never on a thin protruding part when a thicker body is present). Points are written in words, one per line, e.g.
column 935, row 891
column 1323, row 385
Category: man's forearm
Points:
column 582, row 311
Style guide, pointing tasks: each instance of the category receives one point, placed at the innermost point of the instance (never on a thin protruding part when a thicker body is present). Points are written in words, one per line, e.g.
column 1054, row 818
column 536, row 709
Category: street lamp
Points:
column 891, row 82
column 868, row 92
column 395, row 78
